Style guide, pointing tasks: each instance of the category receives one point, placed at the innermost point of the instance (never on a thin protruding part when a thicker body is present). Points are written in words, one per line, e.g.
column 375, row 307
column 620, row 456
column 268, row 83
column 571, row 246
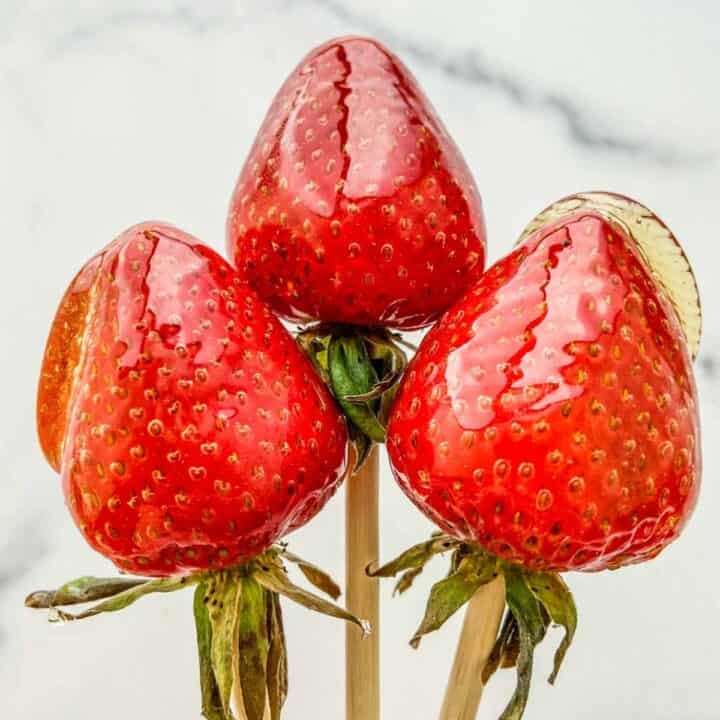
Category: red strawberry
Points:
column 190, row 430
column 192, row 434
column 550, row 418
column 354, row 205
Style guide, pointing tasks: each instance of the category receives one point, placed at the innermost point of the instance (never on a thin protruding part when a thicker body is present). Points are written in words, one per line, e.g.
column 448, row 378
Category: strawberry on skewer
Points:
column 191, row 435
column 549, row 422
column 356, row 210
column 354, row 205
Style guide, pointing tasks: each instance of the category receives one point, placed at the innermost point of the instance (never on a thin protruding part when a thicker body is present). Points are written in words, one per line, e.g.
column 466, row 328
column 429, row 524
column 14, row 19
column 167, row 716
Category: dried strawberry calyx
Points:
column 238, row 620
column 534, row 600
column 362, row 367
column 81, row 590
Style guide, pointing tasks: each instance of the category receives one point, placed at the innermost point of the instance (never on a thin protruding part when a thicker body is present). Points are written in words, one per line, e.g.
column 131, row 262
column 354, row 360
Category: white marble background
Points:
column 116, row 112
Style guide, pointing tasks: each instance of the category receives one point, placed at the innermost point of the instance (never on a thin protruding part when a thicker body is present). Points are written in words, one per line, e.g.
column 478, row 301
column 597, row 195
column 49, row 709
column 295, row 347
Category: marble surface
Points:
column 116, row 112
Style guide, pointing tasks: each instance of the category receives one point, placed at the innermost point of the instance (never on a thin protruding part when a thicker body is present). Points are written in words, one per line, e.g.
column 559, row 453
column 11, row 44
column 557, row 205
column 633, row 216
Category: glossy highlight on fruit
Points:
column 354, row 205
column 660, row 249
column 551, row 416
column 189, row 429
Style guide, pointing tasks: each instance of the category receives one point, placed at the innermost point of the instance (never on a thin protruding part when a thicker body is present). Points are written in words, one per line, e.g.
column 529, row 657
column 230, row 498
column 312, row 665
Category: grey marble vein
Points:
column 472, row 67
column 468, row 66
column 193, row 17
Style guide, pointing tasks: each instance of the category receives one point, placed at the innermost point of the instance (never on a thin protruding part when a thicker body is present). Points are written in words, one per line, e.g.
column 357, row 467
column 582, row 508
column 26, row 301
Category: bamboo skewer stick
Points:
column 480, row 628
column 362, row 654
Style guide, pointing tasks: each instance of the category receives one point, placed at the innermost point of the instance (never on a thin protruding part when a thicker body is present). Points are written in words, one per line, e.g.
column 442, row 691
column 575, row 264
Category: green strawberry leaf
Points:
column 253, row 647
column 389, row 362
column 127, row 597
column 81, row 590
column 531, row 629
column 212, row 707
column 450, row 594
column 315, row 575
column 362, row 371
column 352, row 373
column 379, row 389
column 224, row 606
column 511, row 649
column 412, row 562
column 555, row 596
column 406, row 580
column 277, row 672
column 507, row 645
column 314, row 343
column 272, row 576
column 363, row 446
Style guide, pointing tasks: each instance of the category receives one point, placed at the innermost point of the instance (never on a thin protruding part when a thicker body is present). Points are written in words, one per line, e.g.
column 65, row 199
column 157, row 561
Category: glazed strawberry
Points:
column 189, row 429
column 191, row 434
column 354, row 205
column 356, row 209
column 550, row 418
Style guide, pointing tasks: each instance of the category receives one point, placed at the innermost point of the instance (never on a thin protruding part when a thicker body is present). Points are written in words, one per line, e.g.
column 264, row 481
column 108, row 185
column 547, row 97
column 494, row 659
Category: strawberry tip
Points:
column 659, row 249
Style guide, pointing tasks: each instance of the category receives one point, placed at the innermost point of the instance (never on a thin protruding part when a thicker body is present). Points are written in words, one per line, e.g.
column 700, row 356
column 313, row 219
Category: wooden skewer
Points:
column 480, row 628
column 362, row 654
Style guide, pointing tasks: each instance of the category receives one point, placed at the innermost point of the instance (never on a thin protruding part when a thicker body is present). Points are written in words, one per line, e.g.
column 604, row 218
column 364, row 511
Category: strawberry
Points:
column 549, row 421
column 191, row 434
column 355, row 205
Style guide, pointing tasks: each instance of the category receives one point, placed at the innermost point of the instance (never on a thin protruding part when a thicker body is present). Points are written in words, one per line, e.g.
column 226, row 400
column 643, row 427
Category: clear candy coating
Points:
column 661, row 251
